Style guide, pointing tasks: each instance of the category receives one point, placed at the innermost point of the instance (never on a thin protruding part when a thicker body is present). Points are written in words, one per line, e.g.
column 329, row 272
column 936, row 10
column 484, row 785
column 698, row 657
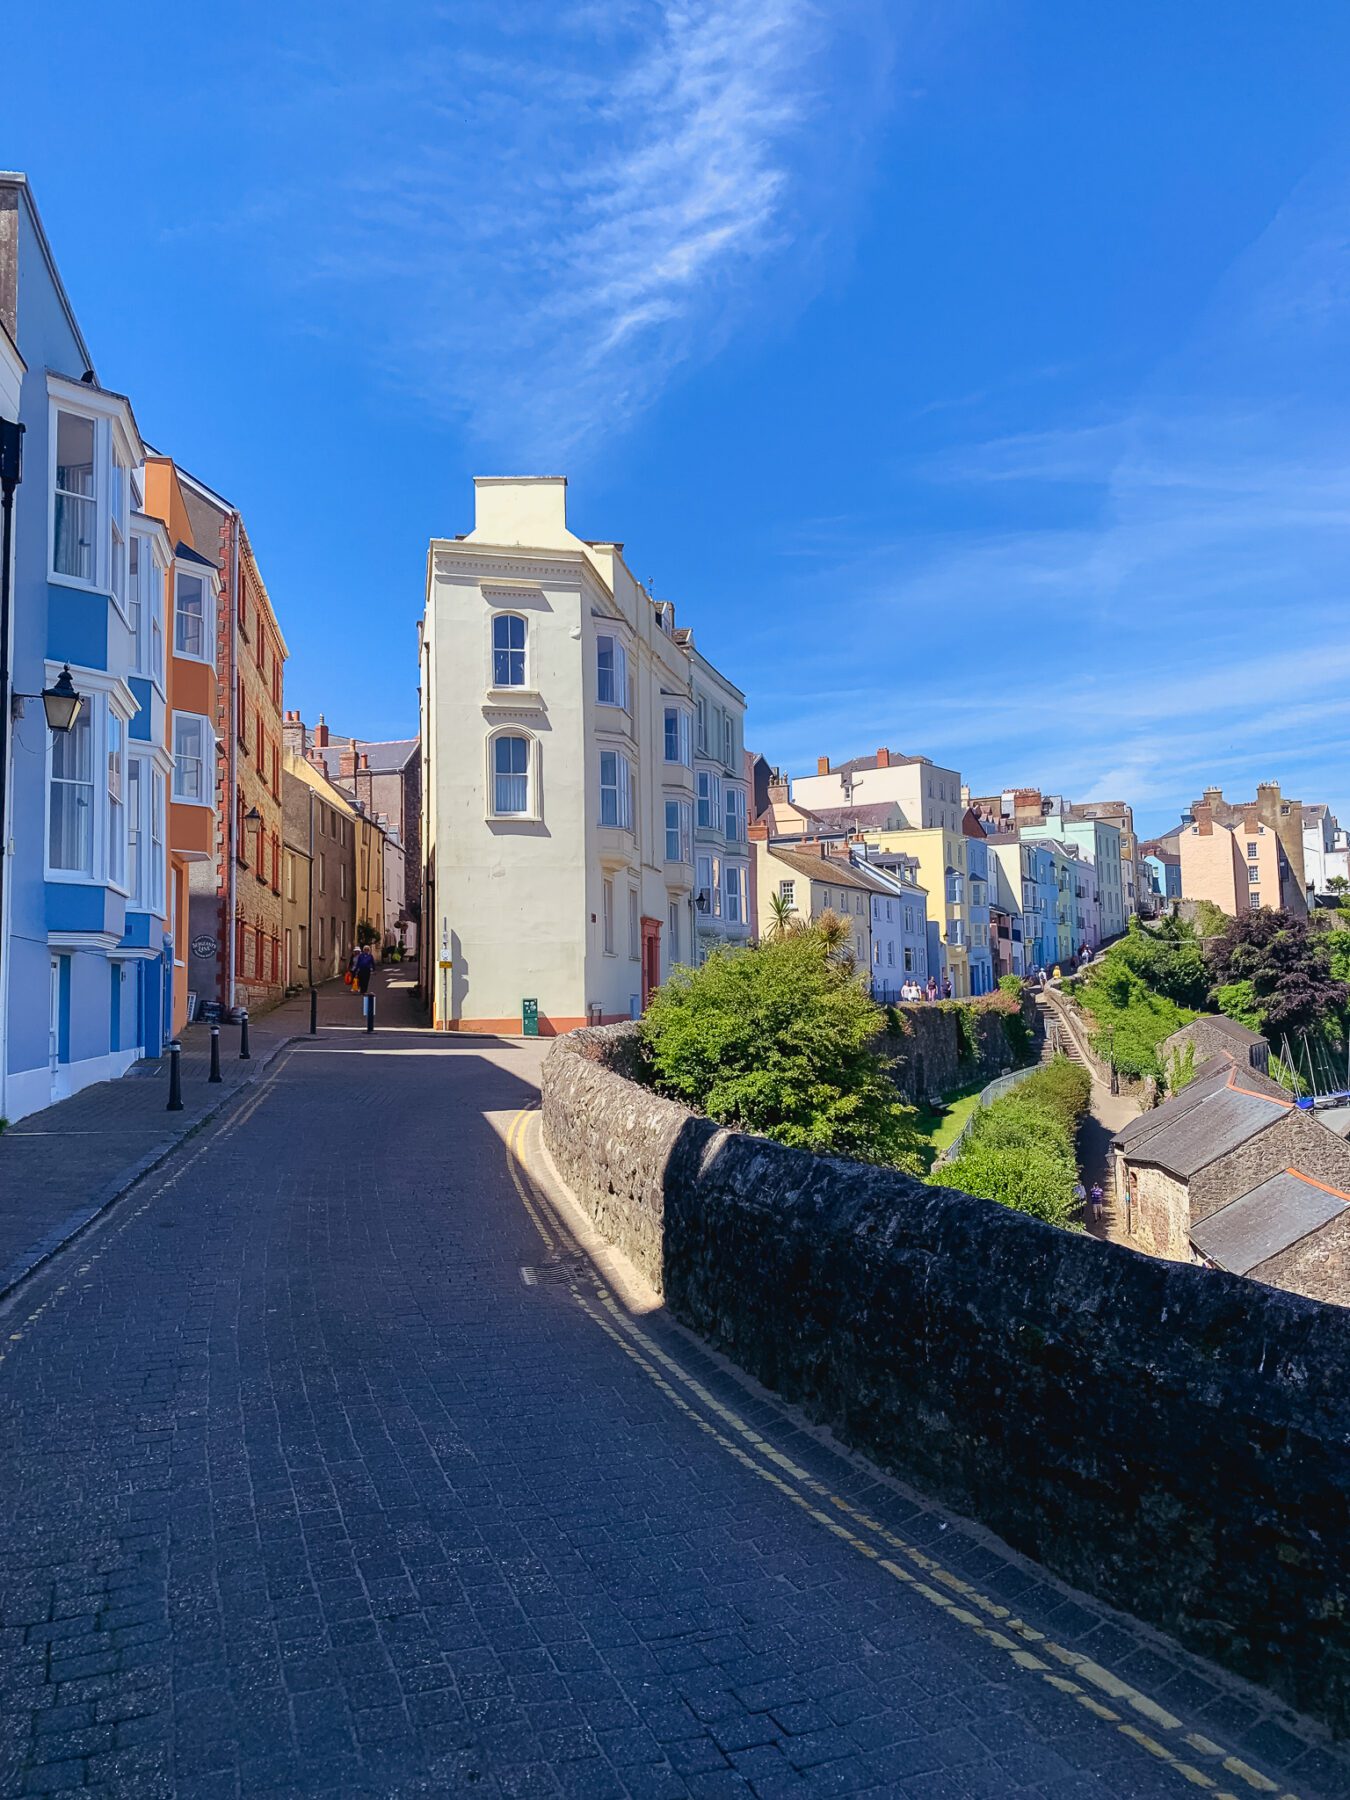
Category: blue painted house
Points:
column 83, row 966
column 980, row 951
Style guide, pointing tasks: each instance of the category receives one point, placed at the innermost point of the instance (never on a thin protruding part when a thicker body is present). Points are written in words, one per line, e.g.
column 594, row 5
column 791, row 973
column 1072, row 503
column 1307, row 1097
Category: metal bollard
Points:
column 215, row 1074
column 314, row 1012
column 370, row 1012
column 175, row 1077
column 244, row 1052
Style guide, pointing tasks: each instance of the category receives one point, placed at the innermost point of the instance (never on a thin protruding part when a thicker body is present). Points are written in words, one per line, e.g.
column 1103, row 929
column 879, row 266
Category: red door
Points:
column 651, row 959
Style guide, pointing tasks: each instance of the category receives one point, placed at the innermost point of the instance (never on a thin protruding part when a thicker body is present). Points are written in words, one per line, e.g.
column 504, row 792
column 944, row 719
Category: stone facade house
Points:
column 1198, row 1181
column 1214, row 1035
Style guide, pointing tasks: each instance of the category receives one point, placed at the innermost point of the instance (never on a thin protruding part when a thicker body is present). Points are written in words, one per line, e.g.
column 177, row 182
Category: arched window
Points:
column 510, row 775
column 508, row 650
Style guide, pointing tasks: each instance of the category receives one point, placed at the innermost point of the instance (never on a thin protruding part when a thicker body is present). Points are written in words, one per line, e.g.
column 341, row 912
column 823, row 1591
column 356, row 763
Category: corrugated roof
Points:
column 1201, row 1127
column 1265, row 1220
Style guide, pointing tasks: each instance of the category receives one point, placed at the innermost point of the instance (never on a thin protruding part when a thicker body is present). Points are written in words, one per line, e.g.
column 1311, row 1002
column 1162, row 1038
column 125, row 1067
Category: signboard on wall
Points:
column 204, row 946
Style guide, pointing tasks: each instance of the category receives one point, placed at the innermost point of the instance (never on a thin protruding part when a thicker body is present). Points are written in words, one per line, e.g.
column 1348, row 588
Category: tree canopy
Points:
column 1276, row 968
column 782, row 1040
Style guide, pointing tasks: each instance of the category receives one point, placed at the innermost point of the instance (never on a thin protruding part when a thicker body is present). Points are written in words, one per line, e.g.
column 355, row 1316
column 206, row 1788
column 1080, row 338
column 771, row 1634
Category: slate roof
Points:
column 833, row 871
column 1203, row 1122
column 855, row 763
column 1266, row 1220
column 1221, row 1023
column 873, row 814
column 185, row 553
column 385, row 758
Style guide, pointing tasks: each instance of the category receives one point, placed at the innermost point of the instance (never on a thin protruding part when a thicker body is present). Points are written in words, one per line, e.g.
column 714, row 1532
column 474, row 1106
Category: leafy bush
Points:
column 1006, row 1002
column 1180, row 1071
column 1287, row 963
column 781, row 1040
column 1012, row 984
column 1130, row 1017
column 1020, row 1151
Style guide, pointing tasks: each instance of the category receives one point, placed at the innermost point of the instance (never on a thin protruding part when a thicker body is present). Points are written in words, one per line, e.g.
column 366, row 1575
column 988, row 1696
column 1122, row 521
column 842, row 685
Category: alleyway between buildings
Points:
column 332, row 1466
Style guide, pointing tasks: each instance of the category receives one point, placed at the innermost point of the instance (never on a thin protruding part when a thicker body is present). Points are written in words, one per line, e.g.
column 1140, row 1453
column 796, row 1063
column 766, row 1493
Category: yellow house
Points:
column 943, row 870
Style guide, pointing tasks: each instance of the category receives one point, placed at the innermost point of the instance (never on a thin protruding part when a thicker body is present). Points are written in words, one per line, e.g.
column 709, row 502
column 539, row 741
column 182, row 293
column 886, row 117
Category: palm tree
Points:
column 784, row 915
column 835, row 933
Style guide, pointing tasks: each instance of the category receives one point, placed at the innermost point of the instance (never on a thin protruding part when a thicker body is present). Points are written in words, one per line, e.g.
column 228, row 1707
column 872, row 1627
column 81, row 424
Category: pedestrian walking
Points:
column 1080, row 1193
column 365, row 966
column 1057, row 974
column 349, row 975
column 932, row 987
column 1097, row 1201
column 946, row 987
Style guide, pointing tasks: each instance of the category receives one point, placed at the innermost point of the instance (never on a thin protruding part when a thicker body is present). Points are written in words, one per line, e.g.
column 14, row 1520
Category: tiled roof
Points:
column 385, row 758
column 1267, row 1219
column 856, row 763
column 831, row 870
column 1203, row 1122
column 864, row 817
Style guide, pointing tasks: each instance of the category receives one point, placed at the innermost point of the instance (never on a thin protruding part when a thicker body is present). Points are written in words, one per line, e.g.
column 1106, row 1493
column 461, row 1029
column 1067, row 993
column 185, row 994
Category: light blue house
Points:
column 980, row 953
column 82, row 927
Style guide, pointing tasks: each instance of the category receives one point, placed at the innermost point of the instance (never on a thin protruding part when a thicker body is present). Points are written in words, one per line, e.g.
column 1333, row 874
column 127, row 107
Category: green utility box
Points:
column 530, row 1012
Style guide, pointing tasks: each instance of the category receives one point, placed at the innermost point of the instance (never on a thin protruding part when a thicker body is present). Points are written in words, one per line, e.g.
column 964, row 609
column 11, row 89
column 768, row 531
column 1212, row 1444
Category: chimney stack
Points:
column 1203, row 813
column 365, row 760
column 822, row 765
column 346, row 764
column 321, row 734
column 883, row 759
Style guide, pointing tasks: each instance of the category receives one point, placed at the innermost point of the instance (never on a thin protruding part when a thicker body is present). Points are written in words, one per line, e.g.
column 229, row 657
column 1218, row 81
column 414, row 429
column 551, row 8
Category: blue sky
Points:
column 973, row 377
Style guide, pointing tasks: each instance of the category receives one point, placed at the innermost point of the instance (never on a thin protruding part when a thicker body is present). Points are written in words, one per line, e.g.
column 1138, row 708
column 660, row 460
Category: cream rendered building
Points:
column 558, row 724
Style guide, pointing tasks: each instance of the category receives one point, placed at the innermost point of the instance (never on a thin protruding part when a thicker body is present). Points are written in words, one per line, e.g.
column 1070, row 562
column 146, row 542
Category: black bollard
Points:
column 244, row 1052
column 370, row 1012
column 215, row 1074
column 175, row 1078
column 314, row 1012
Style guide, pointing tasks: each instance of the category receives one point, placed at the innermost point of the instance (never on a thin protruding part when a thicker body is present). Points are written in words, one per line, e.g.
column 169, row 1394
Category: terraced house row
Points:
column 143, row 868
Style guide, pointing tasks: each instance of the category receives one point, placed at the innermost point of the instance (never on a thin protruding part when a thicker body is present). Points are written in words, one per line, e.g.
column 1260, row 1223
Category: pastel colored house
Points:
column 562, row 863
column 1236, row 867
column 85, row 972
column 940, row 856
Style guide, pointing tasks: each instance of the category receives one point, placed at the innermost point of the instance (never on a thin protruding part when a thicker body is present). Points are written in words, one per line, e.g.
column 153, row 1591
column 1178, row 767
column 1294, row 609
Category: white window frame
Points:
column 733, row 813
column 607, row 915
column 509, row 687
column 704, row 882
column 622, row 789
column 105, row 696
column 729, row 741
column 145, row 607
column 673, row 934
column 618, row 671
column 701, row 710
column 157, row 895
column 709, row 795
column 634, row 926
column 197, row 572
column 113, row 439
column 787, row 893
column 208, row 760
column 678, row 718
column 682, row 828
column 115, row 792
column 533, row 796
column 735, row 909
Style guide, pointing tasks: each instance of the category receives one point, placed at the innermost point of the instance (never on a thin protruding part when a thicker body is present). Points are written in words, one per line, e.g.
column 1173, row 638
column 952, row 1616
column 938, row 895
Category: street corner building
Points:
column 584, row 797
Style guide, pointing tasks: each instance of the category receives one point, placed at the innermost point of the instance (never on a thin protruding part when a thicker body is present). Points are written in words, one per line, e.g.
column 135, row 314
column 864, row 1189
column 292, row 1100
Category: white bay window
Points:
column 616, row 790
column 70, row 837
column 193, row 747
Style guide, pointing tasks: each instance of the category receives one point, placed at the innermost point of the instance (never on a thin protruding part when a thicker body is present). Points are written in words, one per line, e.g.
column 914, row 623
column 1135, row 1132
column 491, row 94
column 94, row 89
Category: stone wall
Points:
column 1170, row 1438
column 928, row 1061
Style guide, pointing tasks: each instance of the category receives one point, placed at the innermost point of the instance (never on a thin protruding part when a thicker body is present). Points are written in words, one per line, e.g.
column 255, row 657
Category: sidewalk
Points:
column 1106, row 1113
column 61, row 1167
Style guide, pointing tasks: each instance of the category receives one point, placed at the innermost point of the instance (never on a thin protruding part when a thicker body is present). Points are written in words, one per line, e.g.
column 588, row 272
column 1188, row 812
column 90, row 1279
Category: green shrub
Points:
column 1020, row 1151
column 1034, row 1180
column 781, row 1040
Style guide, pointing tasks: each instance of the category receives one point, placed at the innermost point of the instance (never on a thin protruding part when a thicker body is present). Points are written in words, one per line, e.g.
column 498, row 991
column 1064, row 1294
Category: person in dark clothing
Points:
column 365, row 964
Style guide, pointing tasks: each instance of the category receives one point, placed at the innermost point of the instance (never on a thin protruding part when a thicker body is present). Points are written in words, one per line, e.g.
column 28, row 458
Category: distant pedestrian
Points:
column 946, row 987
column 1058, row 972
column 365, row 966
column 1098, row 1199
column 932, row 987
column 1080, row 1193
column 349, row 974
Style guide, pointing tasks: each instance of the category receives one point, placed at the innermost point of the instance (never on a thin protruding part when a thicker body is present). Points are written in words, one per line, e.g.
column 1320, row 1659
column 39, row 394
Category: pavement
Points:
column 1106, row 1113
column 61, row 1167
column 337, row 1459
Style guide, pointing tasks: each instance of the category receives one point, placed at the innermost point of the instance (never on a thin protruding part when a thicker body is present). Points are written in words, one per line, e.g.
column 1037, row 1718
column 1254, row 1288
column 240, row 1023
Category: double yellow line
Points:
column 1088, row 1684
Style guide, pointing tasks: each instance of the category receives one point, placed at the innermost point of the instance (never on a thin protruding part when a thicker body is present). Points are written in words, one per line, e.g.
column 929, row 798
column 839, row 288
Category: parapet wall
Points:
column 1173, row 1439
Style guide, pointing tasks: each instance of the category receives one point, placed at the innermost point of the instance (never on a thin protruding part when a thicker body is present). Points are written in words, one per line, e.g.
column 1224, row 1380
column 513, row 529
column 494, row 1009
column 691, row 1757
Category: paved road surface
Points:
column 324, row 1474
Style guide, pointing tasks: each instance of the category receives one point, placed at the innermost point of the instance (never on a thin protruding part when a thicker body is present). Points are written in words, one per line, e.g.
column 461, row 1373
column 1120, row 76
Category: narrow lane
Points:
column 324, row 1473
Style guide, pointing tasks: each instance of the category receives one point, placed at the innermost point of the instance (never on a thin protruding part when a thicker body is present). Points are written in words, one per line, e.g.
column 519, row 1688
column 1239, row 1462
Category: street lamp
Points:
column 252, row 820
column 61, row 702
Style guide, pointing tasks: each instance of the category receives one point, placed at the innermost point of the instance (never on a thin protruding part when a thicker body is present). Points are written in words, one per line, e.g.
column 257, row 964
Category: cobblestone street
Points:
column 325, row 1473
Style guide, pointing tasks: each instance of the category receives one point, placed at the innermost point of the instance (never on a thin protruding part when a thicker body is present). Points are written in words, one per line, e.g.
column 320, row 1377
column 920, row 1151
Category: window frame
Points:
column 712, row 799
column 734, row 812
column 621, row 787
column 618, row 672
column 508, row 616
column 207, row 759
column 683, row 829
column 533, row 811
column 105, row 698
column 607, row 915
column 681, row 736
column 739, row 915
column 210, row 604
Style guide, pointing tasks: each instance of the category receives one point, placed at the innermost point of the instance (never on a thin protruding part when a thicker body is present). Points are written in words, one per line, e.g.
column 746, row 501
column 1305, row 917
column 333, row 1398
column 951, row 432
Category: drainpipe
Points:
column 309, row 910
column 232, row 813
column 11, row 474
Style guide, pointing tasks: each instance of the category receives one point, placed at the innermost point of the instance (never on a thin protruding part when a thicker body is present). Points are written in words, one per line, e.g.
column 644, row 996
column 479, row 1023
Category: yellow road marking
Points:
column 790, row 1479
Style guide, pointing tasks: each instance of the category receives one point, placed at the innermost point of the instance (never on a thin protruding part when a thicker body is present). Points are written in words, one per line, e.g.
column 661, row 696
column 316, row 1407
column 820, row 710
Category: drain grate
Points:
column 556, row 1272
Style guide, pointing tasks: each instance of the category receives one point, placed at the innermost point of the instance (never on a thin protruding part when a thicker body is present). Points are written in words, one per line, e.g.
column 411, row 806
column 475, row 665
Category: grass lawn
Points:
column 940, row 1127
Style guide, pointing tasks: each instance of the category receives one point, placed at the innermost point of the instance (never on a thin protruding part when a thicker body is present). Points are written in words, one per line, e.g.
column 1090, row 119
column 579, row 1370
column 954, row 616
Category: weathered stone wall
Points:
column 1157, row 1210
column 928, row 1062
column 1171, row 1438
column 1299, row 1140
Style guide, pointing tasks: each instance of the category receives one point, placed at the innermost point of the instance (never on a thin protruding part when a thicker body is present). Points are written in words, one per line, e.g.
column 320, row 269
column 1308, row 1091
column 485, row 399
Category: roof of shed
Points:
column 1203, row 1122
column 1266, row 1220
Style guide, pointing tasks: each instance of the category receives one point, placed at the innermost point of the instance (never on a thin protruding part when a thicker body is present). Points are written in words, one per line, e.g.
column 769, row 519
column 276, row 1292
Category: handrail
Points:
column 997, row 1088
column 1064, row 1016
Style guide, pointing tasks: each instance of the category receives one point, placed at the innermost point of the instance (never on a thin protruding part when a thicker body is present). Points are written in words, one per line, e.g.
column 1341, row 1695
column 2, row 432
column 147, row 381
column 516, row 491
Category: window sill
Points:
column 185, row 800
column 207, row 662
column 513, row 696
column 80, row 587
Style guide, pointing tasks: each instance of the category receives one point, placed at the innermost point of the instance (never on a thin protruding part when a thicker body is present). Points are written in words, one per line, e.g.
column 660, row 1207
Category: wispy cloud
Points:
column 561, row 219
